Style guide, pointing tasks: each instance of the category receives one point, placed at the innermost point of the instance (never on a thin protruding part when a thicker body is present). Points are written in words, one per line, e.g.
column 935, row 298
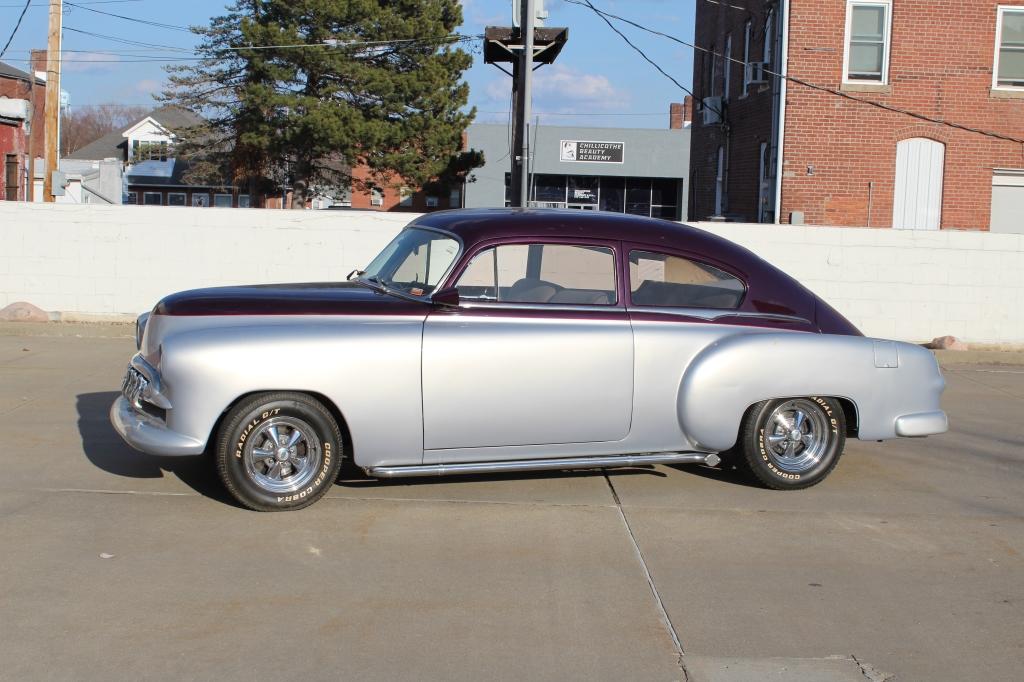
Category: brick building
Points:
column 22, row 97
column 846, row 162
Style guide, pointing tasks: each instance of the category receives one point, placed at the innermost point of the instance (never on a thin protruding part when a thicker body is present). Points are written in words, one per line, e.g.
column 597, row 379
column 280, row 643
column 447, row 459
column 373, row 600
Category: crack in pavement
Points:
column 666, row 620
column 872, row 673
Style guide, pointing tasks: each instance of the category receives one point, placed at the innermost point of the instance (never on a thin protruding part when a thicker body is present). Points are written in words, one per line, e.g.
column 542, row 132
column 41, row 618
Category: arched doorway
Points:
column 917, row 201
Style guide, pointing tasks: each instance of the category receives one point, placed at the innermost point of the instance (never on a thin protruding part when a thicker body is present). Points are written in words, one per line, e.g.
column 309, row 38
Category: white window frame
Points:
column 405, row 196
column 1000, row 11
column 748, row 30
column 886, row 48
column 184, row 198
column 150, row 194
column 727, row 66
column 221, row 195
column 714, row 72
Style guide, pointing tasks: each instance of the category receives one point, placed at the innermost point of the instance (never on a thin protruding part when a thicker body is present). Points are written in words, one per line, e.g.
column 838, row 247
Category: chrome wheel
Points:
column 283, row 455
column 796, row 435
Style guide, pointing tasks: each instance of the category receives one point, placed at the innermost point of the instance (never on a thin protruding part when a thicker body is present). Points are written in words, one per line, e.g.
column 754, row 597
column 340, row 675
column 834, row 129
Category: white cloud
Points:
column 562, row 89
column 89, row 61
column 148, row 86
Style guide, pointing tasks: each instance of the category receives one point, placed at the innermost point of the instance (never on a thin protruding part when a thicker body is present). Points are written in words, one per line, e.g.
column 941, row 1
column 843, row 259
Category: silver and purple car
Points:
column 504, row 340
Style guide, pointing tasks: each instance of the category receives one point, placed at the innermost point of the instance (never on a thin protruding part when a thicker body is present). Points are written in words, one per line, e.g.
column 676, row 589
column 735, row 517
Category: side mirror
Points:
column 449, row 296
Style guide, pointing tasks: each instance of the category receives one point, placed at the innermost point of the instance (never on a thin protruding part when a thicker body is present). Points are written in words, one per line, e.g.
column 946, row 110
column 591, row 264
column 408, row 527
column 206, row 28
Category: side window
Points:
column 541, row 273
column 657, row 279
column 427, row 263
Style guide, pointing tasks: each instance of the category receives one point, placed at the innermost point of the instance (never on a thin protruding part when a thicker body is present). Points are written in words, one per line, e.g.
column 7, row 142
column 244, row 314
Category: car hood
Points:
column 322, row 298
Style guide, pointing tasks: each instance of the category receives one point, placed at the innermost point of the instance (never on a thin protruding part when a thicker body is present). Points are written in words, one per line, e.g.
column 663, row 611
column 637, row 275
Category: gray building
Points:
column 626, row 170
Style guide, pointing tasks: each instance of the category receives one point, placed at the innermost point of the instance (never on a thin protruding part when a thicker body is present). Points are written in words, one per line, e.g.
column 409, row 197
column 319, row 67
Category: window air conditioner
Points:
column 712, row 110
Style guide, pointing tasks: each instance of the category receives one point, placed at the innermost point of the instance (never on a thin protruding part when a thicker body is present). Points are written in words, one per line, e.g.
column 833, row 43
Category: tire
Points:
column 278, row 451
column 773, row 453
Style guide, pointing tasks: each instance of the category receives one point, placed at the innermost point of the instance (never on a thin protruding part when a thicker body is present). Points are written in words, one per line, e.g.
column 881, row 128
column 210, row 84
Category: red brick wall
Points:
column 941, row 66
column 748, row 118
column 393, row 198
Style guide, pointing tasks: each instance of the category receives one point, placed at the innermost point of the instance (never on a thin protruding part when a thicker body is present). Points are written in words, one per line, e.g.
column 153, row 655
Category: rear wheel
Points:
column 792, row 443
column 278, row 451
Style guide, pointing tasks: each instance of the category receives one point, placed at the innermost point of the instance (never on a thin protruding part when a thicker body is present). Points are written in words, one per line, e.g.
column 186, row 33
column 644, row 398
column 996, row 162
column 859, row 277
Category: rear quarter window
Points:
column 661, row 280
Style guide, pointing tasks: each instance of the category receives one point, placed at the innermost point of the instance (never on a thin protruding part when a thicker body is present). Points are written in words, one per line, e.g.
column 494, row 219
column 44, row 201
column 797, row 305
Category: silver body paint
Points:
column 463, row 388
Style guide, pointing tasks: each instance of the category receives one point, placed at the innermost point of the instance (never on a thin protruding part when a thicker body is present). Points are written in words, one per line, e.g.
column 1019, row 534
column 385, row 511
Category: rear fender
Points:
column 882, row 379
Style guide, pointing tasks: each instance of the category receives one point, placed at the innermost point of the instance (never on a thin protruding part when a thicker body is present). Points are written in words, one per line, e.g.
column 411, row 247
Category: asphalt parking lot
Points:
column 906, row 564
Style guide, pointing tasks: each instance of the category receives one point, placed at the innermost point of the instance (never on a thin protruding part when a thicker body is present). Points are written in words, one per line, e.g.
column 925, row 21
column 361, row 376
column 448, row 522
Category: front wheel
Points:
column 278, row 451
column 792, row 443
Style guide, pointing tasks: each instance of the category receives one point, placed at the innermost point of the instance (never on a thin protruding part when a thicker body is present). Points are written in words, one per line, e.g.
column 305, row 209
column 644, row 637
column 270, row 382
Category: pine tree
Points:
column 299, row 91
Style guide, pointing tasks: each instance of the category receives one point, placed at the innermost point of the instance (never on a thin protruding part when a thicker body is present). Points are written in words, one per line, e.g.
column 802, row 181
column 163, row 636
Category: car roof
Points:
column 476, row 225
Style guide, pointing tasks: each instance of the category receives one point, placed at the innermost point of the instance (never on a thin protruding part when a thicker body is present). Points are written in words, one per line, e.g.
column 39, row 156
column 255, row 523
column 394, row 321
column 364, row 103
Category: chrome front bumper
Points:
column 148, row 434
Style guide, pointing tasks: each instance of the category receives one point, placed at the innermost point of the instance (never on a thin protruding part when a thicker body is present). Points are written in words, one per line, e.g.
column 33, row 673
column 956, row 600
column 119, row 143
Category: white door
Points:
column 917, row 202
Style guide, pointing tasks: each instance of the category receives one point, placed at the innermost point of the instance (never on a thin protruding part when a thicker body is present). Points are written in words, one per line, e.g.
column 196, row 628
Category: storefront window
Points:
column 549, row 188
column 613, row 194
column 583, row 189
column 638, row 196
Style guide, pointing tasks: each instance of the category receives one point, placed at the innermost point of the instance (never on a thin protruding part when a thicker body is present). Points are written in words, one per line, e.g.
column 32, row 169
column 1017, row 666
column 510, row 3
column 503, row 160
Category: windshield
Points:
column 414, row 262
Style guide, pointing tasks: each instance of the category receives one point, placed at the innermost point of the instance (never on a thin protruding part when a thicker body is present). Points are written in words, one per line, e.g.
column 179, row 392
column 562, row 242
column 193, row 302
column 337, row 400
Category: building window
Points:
column 148, row 151
column 713, row 83
column 222, row 200
column 1009, row 66
column 11, row 172
column 433, row 202
column 405, row 197
column 200, row 200
column 153, row 198
column 727, row 65
column 720, row 182
column 131, row 198
column 455, row 198
column 243, row 201
column 867, row 41
column 769, row 26
column 665, row 198
column 176, row 199
column 376, row 197
column 746, row 56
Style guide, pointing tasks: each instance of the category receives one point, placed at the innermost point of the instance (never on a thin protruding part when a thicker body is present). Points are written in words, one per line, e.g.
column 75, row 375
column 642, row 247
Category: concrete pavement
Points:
column 906, row 564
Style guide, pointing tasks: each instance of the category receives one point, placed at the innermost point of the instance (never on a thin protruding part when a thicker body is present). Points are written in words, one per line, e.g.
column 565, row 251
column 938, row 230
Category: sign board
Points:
column 584, row 151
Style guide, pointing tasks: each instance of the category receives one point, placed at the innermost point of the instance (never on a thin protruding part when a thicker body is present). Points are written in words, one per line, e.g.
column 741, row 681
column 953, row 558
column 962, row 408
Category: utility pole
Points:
column 52, row 108
column 524, row 47
column 524, row 97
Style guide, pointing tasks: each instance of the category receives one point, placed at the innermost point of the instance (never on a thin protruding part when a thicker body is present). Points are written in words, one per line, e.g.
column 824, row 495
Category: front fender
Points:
column 369, row 369
column 885, row 380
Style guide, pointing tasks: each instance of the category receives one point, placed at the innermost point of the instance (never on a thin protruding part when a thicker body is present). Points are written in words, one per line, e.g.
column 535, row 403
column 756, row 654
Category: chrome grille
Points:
column 133, row 386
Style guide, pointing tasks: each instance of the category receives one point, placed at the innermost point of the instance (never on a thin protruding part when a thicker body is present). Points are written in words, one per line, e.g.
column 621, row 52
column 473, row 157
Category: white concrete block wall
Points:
column 903, row 284
column 121, row 259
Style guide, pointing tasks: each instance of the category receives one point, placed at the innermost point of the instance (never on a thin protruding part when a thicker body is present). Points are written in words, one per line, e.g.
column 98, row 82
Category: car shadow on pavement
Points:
column 105, row 449
column 724, row 473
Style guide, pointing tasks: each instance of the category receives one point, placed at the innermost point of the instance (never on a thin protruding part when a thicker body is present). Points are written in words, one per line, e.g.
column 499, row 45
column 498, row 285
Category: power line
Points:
column 158, row 59
column 587, row 3
column 147, row 22
column 124, row 41
column 94, row 2
column 799, row 81
column 16, row 27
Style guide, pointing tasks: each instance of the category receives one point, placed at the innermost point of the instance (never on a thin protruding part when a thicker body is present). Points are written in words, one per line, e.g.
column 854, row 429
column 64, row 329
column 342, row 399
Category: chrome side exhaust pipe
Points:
column 609, row 461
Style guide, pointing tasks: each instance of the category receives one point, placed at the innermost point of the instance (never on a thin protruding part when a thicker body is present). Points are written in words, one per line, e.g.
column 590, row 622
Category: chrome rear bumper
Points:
column 148, row 434
column 922, row 424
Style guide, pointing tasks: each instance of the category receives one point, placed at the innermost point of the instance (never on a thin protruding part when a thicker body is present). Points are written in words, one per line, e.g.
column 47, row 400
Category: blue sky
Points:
column 597, row 80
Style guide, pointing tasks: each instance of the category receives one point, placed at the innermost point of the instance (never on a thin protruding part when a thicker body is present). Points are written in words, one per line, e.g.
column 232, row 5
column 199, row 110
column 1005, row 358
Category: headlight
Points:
column 140, row 329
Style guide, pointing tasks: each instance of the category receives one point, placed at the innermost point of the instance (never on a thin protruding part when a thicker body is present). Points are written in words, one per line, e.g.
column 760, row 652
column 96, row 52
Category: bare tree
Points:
column 86, row 124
